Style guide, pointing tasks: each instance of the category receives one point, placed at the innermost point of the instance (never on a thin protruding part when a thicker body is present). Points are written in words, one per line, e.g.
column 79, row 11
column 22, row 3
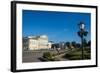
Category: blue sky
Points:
column 58, row 26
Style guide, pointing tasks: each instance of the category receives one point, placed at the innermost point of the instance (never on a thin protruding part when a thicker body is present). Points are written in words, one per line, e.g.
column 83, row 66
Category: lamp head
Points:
column 82, row 26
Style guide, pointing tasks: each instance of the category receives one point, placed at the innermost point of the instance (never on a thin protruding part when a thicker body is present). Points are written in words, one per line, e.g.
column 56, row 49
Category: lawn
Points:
column 77, row 54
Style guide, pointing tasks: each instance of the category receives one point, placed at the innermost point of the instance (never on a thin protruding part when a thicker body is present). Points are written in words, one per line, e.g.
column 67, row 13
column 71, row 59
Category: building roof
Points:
column 38, row 37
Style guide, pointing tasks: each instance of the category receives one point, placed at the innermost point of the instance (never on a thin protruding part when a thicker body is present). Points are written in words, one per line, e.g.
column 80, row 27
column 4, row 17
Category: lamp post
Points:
column 82, row 27
column 81, row 34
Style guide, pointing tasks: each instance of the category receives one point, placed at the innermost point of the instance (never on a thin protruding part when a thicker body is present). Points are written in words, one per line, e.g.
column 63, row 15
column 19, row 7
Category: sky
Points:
column 58, row 26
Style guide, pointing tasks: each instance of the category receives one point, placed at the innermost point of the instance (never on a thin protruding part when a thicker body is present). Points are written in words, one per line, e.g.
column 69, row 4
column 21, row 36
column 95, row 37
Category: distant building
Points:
column 36, row 42
column 59, row 46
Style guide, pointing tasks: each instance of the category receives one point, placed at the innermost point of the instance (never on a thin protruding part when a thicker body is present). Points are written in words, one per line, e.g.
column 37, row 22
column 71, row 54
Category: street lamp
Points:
column 82, row 33
column 82, row 27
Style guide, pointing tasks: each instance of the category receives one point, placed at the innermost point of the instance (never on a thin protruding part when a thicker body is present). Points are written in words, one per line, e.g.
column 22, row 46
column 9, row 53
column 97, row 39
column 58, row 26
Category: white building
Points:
column 36, row 42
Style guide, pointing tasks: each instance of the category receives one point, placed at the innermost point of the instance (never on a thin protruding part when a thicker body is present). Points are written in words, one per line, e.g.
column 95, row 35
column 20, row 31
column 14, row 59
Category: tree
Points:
column 78, row 45
column 89, row 43
column 73, row 44
column 67, row 44
column 56, row 46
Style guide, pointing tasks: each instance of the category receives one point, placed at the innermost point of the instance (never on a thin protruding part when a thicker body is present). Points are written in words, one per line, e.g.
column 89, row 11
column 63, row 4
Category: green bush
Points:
column 48, row 55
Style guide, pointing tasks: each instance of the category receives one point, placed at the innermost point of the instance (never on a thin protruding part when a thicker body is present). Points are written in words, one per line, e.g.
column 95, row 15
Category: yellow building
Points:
column 36, row 42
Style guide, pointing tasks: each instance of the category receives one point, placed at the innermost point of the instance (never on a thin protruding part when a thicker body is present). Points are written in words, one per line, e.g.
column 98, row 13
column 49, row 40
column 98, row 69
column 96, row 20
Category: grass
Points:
column 77, row 54
column 72, row 55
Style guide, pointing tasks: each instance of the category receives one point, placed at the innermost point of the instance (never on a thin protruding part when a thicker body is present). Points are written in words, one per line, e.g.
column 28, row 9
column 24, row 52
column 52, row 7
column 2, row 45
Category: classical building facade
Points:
column 36, row 42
